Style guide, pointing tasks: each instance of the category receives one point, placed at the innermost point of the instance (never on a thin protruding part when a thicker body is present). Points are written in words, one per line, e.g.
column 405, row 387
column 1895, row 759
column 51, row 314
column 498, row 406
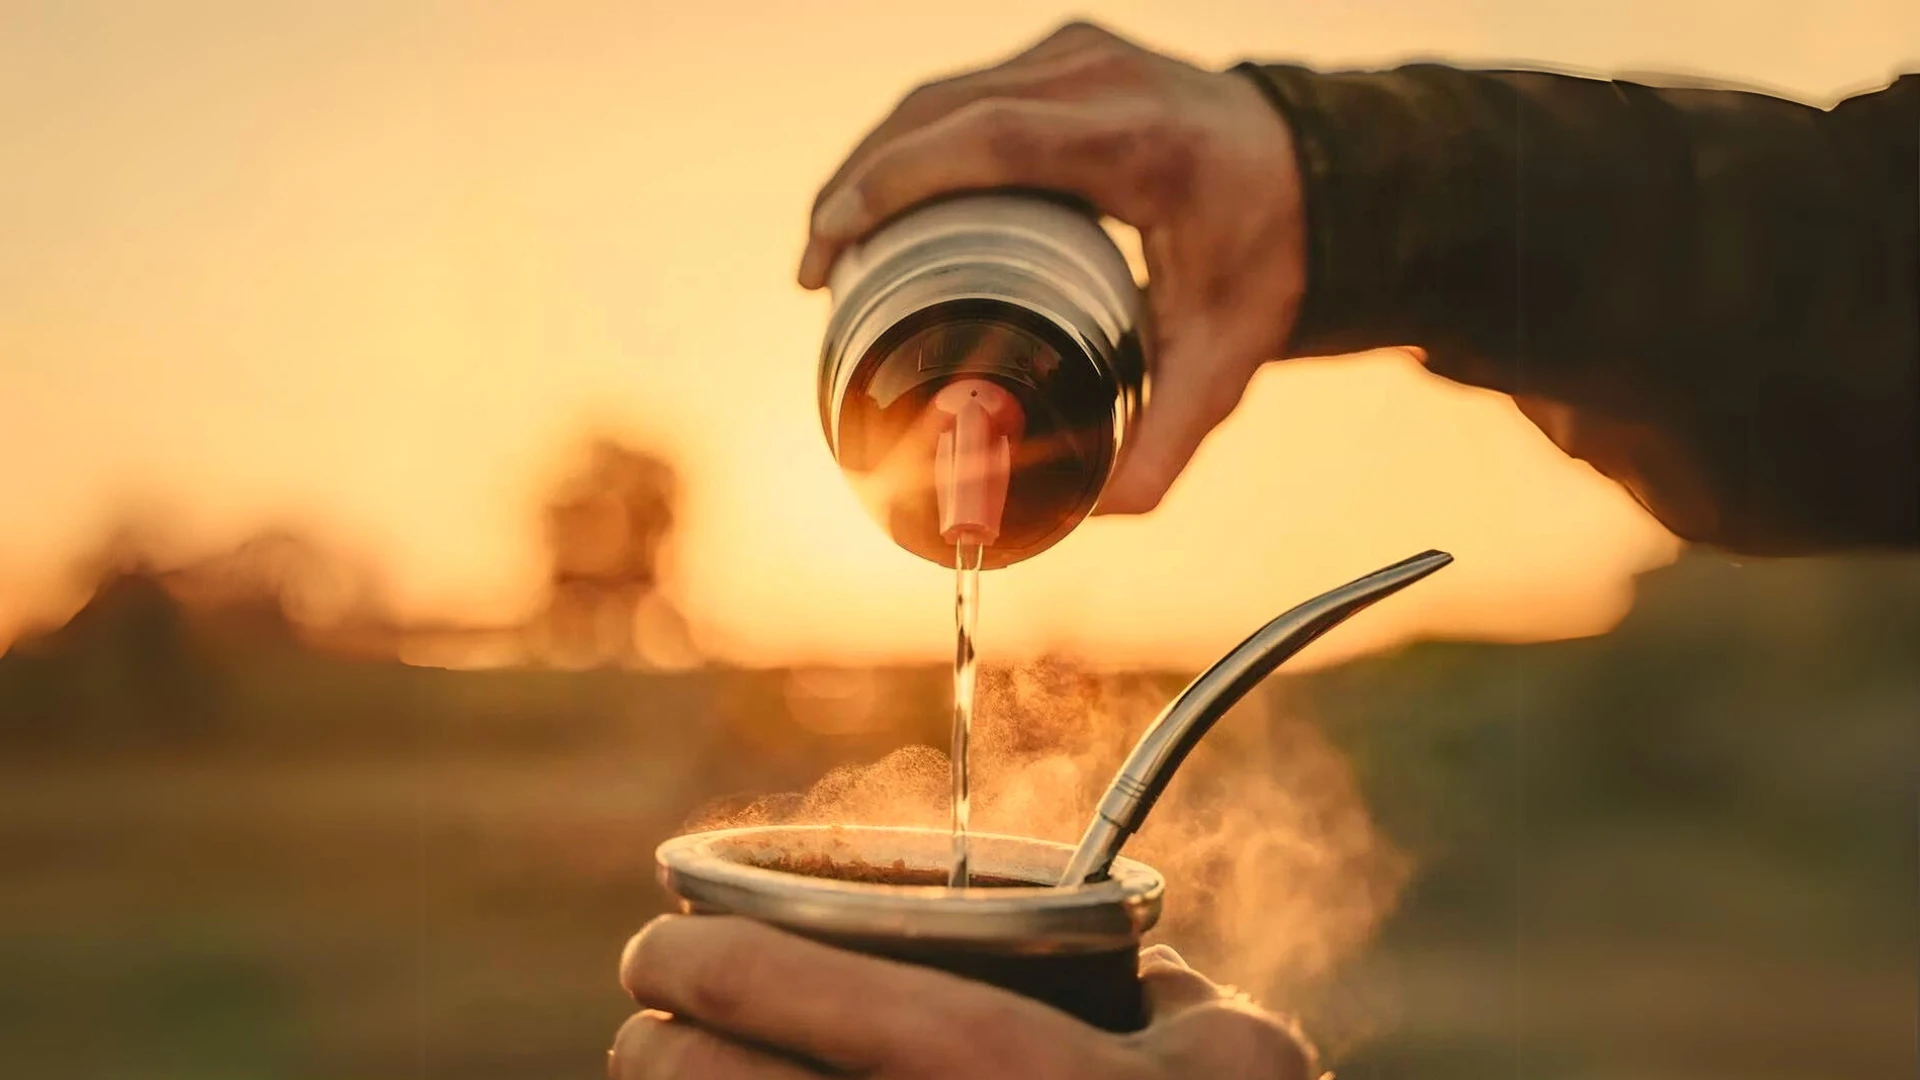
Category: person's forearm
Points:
column 1718, row 289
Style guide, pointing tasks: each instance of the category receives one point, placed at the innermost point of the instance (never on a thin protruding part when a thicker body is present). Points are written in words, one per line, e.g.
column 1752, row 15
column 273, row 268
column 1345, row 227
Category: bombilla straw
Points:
column 1188, row 718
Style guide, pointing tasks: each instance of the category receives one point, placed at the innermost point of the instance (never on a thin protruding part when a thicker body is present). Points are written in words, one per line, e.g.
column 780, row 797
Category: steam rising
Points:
column 1274, row 869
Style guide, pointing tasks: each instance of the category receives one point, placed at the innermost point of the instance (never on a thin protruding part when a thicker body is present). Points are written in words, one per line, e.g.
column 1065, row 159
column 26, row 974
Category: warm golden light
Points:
column 368, row 266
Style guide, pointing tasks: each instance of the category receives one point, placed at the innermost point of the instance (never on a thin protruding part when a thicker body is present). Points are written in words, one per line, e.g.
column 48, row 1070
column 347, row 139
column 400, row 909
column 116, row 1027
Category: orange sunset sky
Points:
column 370, row 266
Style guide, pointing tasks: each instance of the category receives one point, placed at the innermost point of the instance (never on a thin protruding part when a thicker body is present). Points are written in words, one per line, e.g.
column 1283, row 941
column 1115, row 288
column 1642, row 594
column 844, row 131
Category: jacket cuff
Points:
column 1290, row 91
column 1397, row 203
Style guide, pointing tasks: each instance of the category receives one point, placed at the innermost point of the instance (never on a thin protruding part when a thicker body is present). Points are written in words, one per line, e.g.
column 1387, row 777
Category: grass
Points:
column 1683, row 851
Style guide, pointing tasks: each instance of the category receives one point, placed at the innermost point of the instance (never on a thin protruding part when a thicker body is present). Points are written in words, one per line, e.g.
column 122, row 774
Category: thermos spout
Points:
column 974, row 459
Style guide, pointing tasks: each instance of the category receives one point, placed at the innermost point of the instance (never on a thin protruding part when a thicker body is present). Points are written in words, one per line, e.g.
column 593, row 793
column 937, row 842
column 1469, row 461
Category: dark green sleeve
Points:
column 1713, row 296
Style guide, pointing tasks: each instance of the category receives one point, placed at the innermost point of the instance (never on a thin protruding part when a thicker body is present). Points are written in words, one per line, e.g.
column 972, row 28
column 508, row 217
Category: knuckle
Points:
column 922, row 97
column 1119, row 62
column 1081, row 30
column 885, row 186
column 1101, row 51
column 863, row 189
column 990, row 114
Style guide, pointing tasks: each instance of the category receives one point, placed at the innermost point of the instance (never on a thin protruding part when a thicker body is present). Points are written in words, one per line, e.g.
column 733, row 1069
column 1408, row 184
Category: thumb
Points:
column 1227, row 1038
column 1171, row 986
column 1192, row 392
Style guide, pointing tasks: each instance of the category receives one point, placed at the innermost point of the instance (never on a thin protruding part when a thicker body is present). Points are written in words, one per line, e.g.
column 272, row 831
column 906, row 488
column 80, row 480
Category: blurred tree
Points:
column 126, row 669
column 274, row 580
column 607, row 528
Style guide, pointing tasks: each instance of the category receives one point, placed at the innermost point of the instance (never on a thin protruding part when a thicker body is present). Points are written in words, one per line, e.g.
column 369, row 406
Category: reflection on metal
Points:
column 1188, row 718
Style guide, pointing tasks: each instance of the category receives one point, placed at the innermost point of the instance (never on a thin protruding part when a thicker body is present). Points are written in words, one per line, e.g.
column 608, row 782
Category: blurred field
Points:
column 1684, row 850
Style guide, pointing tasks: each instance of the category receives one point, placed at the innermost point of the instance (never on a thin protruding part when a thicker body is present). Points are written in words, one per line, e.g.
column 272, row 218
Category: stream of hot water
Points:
column 966, row 610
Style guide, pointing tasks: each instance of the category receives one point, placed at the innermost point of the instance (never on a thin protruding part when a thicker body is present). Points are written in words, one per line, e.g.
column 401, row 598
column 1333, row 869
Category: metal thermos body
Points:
column 1026, row 290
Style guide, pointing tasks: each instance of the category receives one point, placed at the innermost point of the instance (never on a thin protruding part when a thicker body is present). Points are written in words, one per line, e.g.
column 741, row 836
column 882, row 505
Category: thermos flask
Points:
column 981, row 371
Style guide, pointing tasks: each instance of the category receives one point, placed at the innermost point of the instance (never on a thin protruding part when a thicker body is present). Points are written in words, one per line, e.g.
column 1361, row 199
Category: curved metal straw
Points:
column 1187, row 718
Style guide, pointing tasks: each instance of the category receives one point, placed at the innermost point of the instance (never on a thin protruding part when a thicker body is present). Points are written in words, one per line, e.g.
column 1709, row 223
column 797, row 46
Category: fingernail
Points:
column 812, row 274
column 841, row 215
